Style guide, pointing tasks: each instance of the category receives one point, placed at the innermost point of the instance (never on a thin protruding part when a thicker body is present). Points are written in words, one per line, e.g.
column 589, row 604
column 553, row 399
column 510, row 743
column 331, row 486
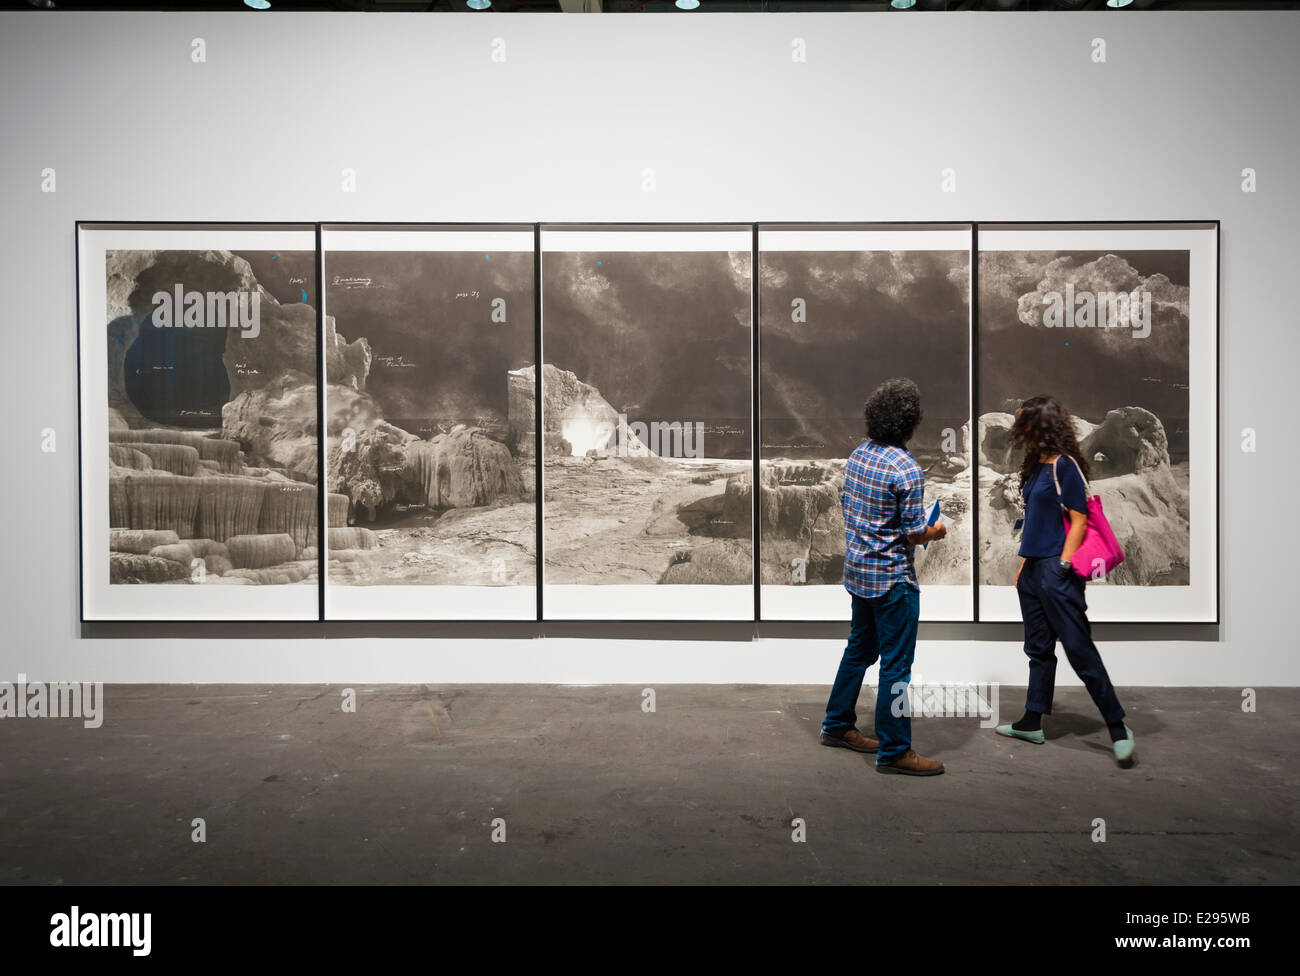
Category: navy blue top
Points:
column 1044, row 531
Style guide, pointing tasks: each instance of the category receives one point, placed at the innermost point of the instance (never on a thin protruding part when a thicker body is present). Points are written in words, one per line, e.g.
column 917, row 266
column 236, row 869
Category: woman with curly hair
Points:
column 1052, row 481
column 883, row 519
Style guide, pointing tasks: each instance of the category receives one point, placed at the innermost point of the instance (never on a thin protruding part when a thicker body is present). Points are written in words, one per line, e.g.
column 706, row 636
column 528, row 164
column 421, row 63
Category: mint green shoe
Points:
column 1125, row 748
column 1035, row 737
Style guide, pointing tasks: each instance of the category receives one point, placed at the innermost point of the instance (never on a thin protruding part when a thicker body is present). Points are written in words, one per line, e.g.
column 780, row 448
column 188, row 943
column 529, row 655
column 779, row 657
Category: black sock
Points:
column 1032, row 722
column 1117, row 731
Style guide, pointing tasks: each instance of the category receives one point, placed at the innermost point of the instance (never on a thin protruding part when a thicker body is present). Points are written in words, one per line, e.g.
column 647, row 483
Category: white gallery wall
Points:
column 561, row 118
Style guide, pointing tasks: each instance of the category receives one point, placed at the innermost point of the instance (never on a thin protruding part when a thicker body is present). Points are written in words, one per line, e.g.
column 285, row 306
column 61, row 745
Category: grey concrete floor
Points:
column 593, row 789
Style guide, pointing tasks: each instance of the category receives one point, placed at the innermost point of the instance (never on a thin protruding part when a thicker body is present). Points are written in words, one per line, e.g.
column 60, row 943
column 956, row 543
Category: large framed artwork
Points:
column 841, row 309
column 213, row 356
column 1120, row 323
column 647, row 396
column 430, row 345
column 199, row 478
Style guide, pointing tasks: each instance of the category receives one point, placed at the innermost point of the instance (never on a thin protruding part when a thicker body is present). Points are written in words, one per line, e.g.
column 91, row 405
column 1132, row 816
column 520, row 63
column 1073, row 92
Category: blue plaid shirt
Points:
column 882, row 502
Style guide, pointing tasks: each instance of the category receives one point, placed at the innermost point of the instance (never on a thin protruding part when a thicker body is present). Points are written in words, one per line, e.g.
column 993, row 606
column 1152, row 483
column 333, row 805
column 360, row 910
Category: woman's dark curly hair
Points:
column 893, row 411
column 1042, row 428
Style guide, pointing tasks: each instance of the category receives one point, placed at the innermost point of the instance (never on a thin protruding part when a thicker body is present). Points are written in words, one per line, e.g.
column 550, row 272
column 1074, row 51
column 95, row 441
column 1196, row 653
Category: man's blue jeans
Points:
column 884, row 629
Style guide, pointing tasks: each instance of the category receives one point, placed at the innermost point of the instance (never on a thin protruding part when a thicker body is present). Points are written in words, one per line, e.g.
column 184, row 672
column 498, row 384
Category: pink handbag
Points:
column 1100, row 551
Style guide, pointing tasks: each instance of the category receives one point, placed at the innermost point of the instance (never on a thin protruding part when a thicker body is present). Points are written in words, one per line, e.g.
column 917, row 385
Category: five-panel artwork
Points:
column 622, row 422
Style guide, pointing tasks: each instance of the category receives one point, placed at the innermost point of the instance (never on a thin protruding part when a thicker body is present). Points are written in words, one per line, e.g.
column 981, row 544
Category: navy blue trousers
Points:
column 1053, row 607
column 884, row 629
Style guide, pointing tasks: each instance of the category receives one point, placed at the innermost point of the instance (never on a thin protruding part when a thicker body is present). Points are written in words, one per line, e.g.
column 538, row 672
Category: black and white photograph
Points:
column 430, row 456
column 646, row 403
column 1117, row 323
column 841, row 310
column 203, row 342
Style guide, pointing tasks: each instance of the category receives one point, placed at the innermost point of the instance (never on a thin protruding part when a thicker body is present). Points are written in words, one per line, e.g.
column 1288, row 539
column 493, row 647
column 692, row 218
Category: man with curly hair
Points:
column 883, row 520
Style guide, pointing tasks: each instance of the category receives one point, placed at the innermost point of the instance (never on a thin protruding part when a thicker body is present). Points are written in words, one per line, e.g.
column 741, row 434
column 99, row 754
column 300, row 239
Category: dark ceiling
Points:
column 665, row 6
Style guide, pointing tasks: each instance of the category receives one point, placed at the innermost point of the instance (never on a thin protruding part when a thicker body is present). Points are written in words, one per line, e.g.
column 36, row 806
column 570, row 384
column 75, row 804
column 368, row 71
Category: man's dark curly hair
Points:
column 893, row 412
column 1042, row 428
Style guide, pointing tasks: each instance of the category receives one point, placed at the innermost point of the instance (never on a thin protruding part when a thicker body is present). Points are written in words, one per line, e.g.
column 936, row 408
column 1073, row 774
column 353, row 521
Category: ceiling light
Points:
column 687, row 4
column 1118, row 3
column 258, row 4
column 902, row 4
column 478, row 4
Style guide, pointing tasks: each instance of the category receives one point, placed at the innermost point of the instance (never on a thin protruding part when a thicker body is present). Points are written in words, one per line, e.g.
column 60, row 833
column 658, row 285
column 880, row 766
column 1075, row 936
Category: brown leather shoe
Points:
column 850, row 739
column 910, row 764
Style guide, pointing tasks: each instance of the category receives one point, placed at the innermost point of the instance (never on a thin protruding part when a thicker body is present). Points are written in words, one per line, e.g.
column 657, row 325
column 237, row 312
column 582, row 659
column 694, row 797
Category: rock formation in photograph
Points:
column 1144, row 496
column 455, row 508
column 802, row 521
column 617, row 513
column 234, row 504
